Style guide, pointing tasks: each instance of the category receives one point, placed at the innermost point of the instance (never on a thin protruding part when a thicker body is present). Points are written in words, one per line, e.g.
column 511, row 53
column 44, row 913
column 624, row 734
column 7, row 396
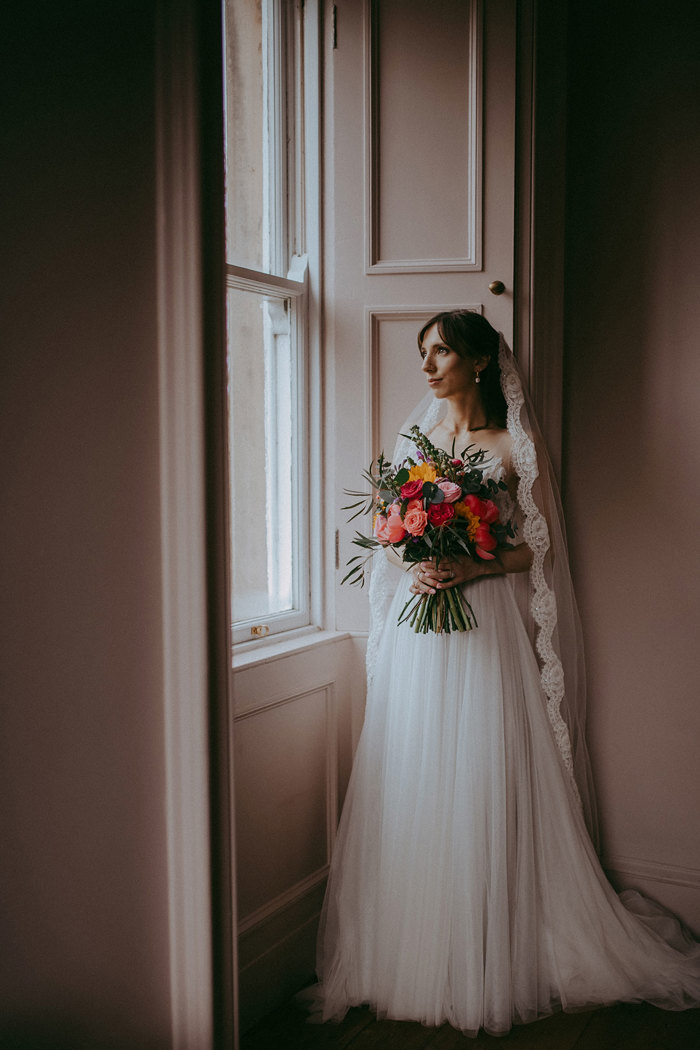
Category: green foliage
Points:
column 438, row 542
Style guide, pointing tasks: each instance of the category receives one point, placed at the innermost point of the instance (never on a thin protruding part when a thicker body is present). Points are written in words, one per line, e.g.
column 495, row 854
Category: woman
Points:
column 464, row 885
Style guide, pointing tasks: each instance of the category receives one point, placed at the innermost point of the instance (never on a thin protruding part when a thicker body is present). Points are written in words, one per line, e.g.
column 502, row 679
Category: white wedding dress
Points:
column 464, row 886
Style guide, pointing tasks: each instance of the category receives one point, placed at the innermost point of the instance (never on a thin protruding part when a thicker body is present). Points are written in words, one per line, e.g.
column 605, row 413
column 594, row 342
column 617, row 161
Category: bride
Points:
column 464, row 885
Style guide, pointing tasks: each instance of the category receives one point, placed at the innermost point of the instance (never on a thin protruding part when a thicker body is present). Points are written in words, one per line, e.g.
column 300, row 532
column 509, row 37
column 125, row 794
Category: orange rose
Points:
column 415, row 519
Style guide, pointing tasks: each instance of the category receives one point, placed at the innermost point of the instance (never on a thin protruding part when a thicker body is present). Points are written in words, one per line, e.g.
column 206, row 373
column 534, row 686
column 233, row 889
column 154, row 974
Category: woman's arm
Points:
column 427, row 579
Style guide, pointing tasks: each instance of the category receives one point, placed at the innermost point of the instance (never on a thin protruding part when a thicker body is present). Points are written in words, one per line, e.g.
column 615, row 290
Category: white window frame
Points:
column 292, row 211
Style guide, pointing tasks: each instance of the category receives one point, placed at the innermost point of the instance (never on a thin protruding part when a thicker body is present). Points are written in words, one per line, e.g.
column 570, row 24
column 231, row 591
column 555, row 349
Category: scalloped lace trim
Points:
column 543, row 602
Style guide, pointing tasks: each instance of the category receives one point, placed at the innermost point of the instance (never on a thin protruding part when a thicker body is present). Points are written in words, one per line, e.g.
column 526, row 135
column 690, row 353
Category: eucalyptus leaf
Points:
column 433, row 493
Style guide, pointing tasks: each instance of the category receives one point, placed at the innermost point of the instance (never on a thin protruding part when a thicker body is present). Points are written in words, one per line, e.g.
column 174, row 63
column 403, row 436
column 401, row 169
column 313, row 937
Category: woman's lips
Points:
column 432, row 382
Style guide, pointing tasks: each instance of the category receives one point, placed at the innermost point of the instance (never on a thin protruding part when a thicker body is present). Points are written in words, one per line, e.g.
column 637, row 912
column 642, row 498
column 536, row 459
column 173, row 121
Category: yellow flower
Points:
column 422, row 471
column 473, row 520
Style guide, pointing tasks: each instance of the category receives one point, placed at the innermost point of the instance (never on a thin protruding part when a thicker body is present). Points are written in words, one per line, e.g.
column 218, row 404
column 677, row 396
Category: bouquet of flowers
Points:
column 436, row 508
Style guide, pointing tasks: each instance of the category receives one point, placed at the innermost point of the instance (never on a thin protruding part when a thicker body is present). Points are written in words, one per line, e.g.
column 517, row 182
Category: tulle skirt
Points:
column 464, row 887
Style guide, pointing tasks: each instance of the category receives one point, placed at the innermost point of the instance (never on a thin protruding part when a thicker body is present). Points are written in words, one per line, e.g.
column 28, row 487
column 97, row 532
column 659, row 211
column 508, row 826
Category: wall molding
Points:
column 541, row 212
column 472, row 259
column 306, row 885
column 280, row 701
column 282, row 901
column 183, row 526
column 652, row 871
column 374, row 316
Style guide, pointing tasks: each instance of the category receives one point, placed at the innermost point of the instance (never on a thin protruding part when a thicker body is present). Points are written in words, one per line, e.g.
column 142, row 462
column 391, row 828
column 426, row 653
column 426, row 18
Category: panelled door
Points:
column 419, row 195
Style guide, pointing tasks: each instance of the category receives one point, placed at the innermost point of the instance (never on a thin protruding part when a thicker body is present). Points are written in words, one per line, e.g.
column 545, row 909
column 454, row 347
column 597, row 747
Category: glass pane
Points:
column 262, row 385
column 244, row 133
column 256, row 136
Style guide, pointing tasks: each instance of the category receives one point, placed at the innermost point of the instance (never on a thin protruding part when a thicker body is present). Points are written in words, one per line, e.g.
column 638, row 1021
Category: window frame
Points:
column 293, row 291
column 292, row 47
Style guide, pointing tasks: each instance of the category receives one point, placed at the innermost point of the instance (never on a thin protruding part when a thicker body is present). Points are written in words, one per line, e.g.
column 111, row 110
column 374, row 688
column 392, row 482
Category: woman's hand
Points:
column 428, row 580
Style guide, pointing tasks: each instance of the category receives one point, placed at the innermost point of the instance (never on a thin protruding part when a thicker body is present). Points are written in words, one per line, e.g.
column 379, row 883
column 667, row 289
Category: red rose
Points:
column 490, row 511
column 439, row 513
column 412, row 489
column 476, row 506
column 485, row 542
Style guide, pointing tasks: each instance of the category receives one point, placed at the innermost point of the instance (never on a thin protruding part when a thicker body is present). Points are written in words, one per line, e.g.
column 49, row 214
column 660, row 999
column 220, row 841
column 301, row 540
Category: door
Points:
column 419, row 217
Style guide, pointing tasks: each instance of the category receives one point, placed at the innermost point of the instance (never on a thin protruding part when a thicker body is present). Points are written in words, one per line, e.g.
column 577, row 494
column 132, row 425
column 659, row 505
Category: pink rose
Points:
column 395, row 528
column 415, row 519
column 412, row 489
column 380, row 528
column 450, row 491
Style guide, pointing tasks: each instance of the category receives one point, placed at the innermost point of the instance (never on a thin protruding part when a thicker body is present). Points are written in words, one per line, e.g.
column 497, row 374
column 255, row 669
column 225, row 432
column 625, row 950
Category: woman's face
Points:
column 447, row 373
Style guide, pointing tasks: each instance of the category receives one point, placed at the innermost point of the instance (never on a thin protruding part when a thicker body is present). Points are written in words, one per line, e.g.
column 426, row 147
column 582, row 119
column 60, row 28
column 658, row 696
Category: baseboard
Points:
column 652, row 871
column 281, row 970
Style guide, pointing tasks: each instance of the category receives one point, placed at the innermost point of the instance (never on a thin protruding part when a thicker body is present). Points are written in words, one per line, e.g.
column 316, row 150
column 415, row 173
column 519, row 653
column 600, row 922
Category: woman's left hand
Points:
column 428, row 580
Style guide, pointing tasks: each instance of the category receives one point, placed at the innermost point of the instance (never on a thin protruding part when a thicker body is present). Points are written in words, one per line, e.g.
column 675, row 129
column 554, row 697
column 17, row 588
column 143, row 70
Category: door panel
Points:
column 419, row 192
column 424, row 177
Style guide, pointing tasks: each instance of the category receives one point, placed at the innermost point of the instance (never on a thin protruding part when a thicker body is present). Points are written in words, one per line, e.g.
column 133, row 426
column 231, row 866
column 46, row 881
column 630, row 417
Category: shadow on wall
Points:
column 632, row 431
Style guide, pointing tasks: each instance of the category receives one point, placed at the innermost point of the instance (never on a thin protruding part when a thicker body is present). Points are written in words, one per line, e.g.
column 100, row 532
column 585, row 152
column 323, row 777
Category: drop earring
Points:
column 476, row 377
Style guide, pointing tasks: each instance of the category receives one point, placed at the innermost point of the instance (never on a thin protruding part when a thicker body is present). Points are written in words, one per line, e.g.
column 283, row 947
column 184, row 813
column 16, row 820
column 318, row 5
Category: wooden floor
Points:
column 621, row 1027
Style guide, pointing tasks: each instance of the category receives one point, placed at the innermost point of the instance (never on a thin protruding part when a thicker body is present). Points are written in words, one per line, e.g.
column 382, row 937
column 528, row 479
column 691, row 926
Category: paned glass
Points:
column 245, row 134
column 262, row 412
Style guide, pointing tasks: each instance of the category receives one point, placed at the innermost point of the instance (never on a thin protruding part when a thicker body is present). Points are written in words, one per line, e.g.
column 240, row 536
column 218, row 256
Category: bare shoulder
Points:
column 496, row 440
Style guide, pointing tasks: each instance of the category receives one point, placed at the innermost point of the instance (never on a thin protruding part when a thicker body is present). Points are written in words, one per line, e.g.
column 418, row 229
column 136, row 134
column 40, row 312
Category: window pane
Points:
column 262, row 392
column 244, row 133
column 256, row 136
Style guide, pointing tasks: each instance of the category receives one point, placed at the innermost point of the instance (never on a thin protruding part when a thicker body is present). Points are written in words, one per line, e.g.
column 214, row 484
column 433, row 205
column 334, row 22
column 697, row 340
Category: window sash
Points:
column 291, row 55
column 294, row 291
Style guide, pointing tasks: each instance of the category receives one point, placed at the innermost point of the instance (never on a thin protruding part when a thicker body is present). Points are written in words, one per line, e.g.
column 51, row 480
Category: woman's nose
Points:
column 428, row 364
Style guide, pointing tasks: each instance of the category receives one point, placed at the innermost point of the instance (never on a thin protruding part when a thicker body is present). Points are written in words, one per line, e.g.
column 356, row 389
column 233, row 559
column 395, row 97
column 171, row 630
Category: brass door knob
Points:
column 497, row 287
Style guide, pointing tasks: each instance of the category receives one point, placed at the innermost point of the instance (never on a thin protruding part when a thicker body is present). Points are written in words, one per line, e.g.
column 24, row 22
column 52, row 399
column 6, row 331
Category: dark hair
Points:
column 470, row 335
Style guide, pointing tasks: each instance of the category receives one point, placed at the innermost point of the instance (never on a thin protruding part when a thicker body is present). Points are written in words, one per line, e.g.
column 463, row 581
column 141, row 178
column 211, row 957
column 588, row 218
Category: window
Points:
column 268, row 314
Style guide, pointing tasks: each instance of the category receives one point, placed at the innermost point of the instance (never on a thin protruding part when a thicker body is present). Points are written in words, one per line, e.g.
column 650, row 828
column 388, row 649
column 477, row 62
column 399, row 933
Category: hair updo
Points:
column 471, row 336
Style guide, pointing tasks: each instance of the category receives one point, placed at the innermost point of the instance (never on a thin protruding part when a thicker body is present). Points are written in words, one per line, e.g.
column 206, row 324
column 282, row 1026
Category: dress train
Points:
column 464, row 886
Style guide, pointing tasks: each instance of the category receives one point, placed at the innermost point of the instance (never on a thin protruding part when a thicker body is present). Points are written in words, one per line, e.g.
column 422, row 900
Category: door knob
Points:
column 497, row 287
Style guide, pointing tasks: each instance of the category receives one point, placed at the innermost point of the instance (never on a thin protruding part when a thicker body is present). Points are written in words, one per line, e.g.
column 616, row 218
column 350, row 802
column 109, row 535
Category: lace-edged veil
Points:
column 544, row 595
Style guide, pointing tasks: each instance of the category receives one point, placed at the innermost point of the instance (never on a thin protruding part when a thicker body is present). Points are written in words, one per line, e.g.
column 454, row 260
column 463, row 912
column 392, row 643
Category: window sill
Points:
column 276, row 649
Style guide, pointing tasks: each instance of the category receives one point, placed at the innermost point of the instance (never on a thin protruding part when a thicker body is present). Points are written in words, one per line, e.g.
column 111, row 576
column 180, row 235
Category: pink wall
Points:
column 84, row 958
column 632, row 440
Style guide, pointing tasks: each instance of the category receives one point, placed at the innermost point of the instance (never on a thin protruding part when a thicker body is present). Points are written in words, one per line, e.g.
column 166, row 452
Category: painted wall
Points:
column 84, row 961
column 632, row 441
